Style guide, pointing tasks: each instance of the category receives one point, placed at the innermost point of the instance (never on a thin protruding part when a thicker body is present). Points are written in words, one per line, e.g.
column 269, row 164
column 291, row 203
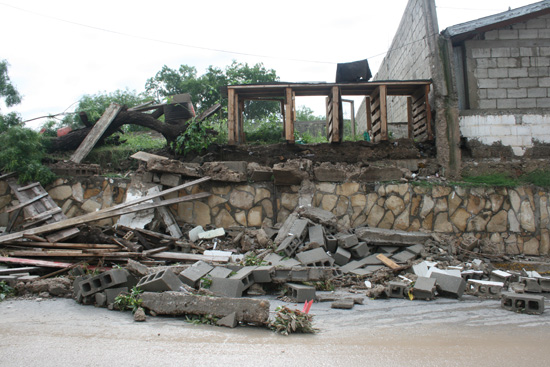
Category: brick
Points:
column 501, row 52
column 522, row 303
column 192, row 275
column 488, row 104
column 316, row 234
column 481, row 52
column 484, row 289
column 161, row 281
column 227, row 287
column 449, row 285
column 341, row 256
column 517, row 93
column 103, row 281
column 263, row 274
column 500, row 72
column 507, row 62
column 528, row 34
column 315, row 257
column 397, row 290
column 508, row 34
column 360, row 250
column 301, row 293
column 518, row 73
column 424, row 288
column 536, row 92
column 526, row 103
column 543, row 102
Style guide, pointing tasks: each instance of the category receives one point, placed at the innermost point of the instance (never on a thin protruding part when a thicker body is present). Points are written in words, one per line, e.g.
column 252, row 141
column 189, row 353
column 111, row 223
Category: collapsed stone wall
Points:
column 516, row 220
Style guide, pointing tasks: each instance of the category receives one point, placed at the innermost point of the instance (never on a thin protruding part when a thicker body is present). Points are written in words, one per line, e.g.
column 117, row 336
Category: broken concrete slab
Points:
column 344, row 304
column 382, row 236
column 247, row 310
column 173, row 166
column 226, row 171
column 228, row 321
column 137, row 268
column 403, row 256
column 220, row 272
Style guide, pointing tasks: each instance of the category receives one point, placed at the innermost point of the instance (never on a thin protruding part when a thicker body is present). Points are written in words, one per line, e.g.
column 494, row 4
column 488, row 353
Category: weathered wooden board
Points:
column 95, row 134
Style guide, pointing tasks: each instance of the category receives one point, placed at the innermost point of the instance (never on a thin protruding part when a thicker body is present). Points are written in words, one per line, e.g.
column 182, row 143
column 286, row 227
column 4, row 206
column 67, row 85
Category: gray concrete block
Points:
column 192, row 275
column 301, row 293
column 448, row 285
column 246, row 276
column 360, row 250
column 373, row 268
column 361, row 272
column 299, row 229
column 350, row 266
column 299, row 274
column 103, row 281
column 531, row 285
column 227, row 287
column 545, row 284
column 315, row 257
column 403, row 257
column 424, row 288
column 281, row 275
column 522, row 303
column 415, row 249
column 471, row 274
column 388, row 249
column 397, row 290
column 317, row 235
column 341, row 257
column 484, row 289
column 112, row 293
column 347, row 241
column 289, row 245
column 100, row 299
column 332, row 243
column 161, row 281
column 372, row 260
column 263, row 274
column 220, row 272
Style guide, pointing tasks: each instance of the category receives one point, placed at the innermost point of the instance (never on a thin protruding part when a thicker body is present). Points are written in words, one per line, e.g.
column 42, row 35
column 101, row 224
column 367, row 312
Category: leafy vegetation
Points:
column 288, row 321
column 539, row 178
column 196, row 138
column 129, row 301
column 201, row 319
column 494, row 179
column 252, row 260
column 5, row 291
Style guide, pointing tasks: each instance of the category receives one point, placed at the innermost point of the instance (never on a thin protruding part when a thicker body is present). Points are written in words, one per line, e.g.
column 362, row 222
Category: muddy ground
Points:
column 444, row 332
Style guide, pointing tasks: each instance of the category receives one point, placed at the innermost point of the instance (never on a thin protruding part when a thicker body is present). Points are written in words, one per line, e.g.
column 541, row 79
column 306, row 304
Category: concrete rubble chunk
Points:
column 137, row 268
column 360, row 250
column 448, row 285
column 192, row 275
column 531, row 285
column 319, row 216
column 317, row 235
column 227, row 287
column 218, row 232
column 194, row 233
column 347, row 241
column 220, row 272
column 382, row 236
column 424, row 288
column 228, row 321
column 139, row 315
column 344, row 304
column 247, row 310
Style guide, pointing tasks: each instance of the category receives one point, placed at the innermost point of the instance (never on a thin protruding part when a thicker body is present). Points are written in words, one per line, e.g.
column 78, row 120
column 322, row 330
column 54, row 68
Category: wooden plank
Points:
column 63, row 235
column 95, row 134
column 289, row 115
column 74, row 253
column 34, row 184
column 383, row 113
column 91, row 217
column 26, row 269
column 63, row 245
column 43, row 263
column 180, row 256
column 153, row 251
column 336, row 115
column 146, row 157
column 410, row 132
column 209, row 112
column 388, row 262
column 44, row 214
column 22, row 205
column 368, row 113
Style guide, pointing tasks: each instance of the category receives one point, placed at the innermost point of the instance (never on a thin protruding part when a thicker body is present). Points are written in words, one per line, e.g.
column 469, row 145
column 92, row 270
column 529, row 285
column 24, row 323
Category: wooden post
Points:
column 410, row 119
column 336, row 133
column 383, row 113
column 231, row 123
column 368, row 112
column 428, row 113
column 352, row 117
column 289, row 115
column 283, row 114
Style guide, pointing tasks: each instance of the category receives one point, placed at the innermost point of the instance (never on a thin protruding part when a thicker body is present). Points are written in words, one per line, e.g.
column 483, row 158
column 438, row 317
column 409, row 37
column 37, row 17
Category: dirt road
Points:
column 380, row 333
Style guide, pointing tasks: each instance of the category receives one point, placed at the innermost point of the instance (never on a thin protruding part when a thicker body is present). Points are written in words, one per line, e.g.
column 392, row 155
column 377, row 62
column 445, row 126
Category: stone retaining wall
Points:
column 516, row 220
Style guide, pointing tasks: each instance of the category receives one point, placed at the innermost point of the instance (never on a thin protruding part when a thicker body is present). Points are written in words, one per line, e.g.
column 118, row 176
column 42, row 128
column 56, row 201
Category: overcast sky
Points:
column 60, row 50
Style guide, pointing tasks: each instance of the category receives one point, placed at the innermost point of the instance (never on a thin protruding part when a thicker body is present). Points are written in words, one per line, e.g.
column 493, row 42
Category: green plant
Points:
column 324, row 285
column 129, row 301
column 202, row 319
column 494, row 179
column 264, row 131
column 288, row 321
column 253, row 260
column 539, row 178
column 5, row 291
column 206, row 282
column 197, row 137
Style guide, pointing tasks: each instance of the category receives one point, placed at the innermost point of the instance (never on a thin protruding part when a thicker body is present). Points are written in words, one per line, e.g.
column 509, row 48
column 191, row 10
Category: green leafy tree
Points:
column 205, row 89
column 304, row 113
column 11, row 97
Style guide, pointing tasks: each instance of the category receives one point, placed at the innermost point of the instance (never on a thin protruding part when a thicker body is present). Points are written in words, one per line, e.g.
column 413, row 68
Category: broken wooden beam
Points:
column 62, row 245
column 180, row 256
column 42, row 263
column 22, row 205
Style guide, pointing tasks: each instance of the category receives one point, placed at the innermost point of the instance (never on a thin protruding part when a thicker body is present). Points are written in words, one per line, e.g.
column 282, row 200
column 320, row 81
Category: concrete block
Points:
column 246, row 276
column 501, row 276
column 103, row 281
column 471, row 274
column 388, row 249
column 301, row 293
column 161, row 281
column 531, row 285
column 484, row 288
column 112, row 293
column 421, row 269
column 424, row 288
column 347, row 241
column 299, row 274
column 208, row 235
column 373, row 268
column 360, row 250
column 263, row 274
column 229, row 320
column 317, row 235
column 289, row 245
column 332, row 243
column 194, row 233
column 397, row 290
column 522, row 303
column 544, row 284
column 227, row 287
column 220, row 272
column 403, row 257
column 344, row 304
column 352, row 265
column 341, row 257
column 448, row 285
column 315, row 257
column 192, row 275
column 281, row 275
column 360, row 272
column 100, row 299
column 299, row 229
column 171, row 180
column 415, row 249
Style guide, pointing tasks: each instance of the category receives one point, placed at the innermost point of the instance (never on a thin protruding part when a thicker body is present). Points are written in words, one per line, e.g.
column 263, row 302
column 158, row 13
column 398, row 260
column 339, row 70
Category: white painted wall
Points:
column 516, row 131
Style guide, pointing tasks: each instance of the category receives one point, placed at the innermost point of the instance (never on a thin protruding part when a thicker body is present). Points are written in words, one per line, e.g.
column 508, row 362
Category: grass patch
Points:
column 539, row 178
column 494, row 179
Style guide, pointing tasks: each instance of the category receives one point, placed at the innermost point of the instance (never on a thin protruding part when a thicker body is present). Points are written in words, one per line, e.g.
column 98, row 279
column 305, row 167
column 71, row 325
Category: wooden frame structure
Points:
column 376, row 94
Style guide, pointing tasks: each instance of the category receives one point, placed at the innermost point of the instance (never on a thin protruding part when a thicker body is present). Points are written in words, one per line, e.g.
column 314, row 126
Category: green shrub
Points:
column 5, row 291
column 291, row 321
column 129, row 301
